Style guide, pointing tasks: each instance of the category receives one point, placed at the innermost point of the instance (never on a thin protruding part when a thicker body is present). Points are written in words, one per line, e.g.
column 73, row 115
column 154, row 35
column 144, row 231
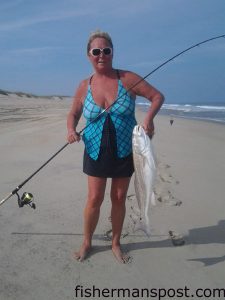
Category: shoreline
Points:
column 194, row 119
column 204, row 112
column 9, row 103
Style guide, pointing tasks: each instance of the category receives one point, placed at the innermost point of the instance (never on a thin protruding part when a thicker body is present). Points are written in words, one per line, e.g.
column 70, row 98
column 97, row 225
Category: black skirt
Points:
column 108, row 164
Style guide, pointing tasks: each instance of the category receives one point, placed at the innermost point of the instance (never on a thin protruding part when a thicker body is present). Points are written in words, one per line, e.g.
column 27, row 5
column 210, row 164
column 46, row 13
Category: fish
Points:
column 145, row 169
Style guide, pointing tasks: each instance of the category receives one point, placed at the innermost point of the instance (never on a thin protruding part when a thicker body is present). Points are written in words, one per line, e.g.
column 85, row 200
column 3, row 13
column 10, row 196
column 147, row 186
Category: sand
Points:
column 37, row 245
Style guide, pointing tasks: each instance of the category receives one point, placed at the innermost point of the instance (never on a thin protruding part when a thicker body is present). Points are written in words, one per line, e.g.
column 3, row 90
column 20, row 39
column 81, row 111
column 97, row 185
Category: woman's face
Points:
column 101, row 62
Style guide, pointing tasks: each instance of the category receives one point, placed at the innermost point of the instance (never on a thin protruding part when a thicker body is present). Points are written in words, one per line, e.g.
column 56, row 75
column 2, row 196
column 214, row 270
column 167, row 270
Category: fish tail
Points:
column 140, row 225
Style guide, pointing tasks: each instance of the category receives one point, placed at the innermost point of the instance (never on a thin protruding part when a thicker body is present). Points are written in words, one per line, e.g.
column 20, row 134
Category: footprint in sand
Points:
column 174, row 202
column 130, row 197
column 108, row 235
column 177, row 239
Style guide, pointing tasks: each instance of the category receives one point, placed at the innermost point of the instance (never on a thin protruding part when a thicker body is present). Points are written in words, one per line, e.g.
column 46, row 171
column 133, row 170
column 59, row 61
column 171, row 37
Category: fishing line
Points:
column 27, row 198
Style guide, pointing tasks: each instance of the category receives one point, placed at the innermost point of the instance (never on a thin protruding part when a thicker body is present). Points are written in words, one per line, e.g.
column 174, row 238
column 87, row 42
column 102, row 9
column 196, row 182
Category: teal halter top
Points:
column 122, row 114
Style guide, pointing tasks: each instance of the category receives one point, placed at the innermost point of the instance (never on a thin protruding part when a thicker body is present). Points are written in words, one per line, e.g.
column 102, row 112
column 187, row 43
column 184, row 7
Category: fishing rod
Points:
column 27, row 198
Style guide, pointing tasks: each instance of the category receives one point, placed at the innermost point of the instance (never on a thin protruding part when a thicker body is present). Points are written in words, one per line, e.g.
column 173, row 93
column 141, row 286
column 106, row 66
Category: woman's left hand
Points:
column 149, row 128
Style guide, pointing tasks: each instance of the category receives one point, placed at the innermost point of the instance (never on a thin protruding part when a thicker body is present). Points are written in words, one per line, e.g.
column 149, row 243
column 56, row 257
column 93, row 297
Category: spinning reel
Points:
column 26, row 199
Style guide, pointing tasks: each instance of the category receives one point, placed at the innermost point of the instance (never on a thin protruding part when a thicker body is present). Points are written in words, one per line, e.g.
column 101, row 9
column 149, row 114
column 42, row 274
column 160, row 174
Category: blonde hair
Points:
column 99, row 34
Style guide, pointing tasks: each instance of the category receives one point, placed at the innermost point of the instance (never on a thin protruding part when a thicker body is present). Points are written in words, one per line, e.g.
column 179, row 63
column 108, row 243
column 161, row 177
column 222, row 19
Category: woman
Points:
column 108, row 139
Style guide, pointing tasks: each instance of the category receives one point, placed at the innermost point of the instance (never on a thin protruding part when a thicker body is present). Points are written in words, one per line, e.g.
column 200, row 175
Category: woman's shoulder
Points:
column 83, row 86
column 128, row 76
column 81, row 90
column 129, row 79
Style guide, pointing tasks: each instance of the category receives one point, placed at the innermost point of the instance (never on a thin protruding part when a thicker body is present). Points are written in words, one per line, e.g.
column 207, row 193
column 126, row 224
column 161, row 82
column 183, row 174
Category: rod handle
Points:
column 6, row 198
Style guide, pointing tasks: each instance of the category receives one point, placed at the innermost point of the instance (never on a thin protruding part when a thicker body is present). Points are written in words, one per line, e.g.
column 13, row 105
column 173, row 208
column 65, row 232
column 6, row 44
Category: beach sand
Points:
column 37, row 246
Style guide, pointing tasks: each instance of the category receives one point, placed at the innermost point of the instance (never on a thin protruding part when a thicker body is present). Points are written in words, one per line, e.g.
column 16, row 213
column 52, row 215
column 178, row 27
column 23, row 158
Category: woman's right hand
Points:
column 73, row 136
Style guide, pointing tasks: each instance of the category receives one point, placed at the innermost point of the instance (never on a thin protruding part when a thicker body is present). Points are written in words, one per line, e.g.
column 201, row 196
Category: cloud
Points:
column 56, row 16
column 57, row 12
column 9, row 5
column 35, row 54
column 33, row 51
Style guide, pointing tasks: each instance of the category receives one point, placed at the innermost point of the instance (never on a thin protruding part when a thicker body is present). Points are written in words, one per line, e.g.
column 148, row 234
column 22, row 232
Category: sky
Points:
column 43, row 44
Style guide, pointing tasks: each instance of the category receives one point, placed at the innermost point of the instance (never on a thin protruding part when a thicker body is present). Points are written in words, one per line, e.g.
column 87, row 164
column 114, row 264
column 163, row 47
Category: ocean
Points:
column 200, row 111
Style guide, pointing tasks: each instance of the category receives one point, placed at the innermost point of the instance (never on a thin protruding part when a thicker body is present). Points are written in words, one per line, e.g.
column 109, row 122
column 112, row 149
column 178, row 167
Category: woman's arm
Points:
column 144, row 89
column 75, row 112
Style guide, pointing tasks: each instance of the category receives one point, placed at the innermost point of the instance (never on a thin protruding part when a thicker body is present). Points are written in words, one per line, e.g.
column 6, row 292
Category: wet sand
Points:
column 186, row 248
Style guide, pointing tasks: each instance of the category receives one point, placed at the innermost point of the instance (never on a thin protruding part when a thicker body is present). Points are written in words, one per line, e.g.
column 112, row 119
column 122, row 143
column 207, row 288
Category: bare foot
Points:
column 120, row 256
column 82, row 253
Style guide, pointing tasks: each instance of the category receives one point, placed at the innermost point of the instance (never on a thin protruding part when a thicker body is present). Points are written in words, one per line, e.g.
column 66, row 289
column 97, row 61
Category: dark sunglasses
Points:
column 98, row 51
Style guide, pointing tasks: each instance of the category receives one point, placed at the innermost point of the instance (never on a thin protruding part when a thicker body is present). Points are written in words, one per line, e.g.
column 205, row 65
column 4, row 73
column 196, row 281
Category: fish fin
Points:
column 134, row 218
column 153, row 200
column 136, row 211
column 140, row 225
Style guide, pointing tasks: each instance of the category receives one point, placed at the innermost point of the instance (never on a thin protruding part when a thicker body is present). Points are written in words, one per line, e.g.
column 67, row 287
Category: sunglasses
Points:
column 98, row 51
